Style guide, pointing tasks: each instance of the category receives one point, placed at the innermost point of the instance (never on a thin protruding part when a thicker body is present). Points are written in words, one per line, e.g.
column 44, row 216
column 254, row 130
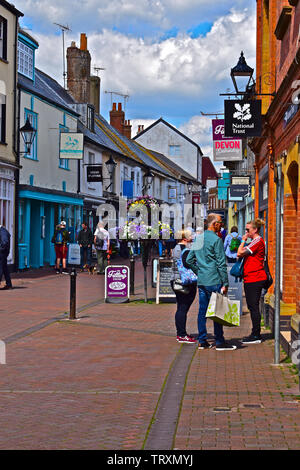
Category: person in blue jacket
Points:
column 231, row 244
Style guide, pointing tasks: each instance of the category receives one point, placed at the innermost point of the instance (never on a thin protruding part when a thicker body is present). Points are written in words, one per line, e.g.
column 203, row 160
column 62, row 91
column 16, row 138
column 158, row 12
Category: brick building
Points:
column 278, row 73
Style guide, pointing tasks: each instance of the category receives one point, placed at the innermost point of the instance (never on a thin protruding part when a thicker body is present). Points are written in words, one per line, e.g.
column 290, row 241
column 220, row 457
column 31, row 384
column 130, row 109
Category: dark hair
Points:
column 234, row 229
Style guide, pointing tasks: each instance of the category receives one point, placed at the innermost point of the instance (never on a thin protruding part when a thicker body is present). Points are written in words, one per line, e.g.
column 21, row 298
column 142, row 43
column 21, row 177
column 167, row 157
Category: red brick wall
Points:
column 290, row 245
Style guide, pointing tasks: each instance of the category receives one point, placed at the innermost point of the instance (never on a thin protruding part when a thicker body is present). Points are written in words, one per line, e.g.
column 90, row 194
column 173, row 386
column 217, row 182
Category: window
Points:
column 174, row 150
column 90, row 118
column 34, row 122
column 63, row 162
column 3, row 38
column 2, row 117
column 25, row 60
column 92, row 159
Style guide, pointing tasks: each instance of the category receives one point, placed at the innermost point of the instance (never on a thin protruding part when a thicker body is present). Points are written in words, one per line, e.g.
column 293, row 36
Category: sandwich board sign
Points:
column 165, row 274
column 117, row 284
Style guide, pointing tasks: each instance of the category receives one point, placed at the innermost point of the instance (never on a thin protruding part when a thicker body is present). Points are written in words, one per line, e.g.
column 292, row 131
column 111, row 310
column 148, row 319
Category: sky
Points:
column 172, row 57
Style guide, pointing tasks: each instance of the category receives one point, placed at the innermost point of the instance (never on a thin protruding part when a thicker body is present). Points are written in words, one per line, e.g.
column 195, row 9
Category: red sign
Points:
column 196, row 198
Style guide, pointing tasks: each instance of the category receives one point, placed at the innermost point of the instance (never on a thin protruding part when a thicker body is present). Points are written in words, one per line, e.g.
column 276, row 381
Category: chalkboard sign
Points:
column 165, row 274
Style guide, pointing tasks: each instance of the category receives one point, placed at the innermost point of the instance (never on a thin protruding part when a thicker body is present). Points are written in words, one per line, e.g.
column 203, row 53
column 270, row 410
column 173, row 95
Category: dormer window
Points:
column 25, row 60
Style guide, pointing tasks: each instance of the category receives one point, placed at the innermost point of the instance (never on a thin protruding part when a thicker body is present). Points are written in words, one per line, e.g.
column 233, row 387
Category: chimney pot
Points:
column 83, row 42
column 114, row 108
column 119, row 106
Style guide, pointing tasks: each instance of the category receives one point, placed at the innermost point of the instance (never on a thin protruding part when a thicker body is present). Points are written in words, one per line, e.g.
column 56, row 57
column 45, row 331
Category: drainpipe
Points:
column 278, row 181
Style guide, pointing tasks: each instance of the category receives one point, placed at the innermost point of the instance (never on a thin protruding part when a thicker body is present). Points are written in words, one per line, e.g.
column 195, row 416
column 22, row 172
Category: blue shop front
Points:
column 39, row 213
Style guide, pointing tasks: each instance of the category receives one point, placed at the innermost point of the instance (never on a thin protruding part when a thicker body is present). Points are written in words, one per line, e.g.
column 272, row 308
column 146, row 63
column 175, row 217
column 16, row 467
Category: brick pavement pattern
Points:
column 94, row 383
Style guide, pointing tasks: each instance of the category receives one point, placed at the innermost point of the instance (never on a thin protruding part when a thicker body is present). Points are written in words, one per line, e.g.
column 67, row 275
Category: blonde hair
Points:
column 257, row 223
column 183, row 234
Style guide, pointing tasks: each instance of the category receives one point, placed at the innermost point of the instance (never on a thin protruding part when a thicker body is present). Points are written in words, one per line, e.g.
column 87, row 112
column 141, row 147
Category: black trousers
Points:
column 184, row 301
column 253, row 295
column 4, row 268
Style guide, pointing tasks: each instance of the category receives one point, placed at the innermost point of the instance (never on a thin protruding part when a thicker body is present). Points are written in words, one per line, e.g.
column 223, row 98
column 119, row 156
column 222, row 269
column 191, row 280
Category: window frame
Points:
column 3, row 40
column 63, row 163
column 22, row 71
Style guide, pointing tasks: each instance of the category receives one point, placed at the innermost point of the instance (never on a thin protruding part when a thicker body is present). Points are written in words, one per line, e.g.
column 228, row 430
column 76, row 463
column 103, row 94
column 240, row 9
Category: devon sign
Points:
column 225, row 149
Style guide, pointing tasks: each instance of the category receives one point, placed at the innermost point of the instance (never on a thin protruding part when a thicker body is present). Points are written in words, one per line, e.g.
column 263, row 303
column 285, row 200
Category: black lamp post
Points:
column 240, row 74
column 190, row 187
column 110, row 165
column 28, row 134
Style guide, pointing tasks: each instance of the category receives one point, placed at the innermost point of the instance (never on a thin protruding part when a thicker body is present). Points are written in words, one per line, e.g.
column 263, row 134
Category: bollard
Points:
column 73, row 275
column 132, row 268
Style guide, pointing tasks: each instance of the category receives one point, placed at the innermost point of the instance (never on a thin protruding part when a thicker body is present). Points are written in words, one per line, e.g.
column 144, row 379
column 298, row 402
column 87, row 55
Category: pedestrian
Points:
column 85, row 241
column 207, row 260
column 61, row 238
column 231, row 244
column 101, row 242
column 184, row 299
column 254, row 275
column 4, row 252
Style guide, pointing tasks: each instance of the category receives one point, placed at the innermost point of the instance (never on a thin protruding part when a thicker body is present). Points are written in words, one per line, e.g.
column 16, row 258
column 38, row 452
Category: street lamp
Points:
column 240, row 74
column 148, row 179
column 28, row 134
column 110, row 165
column 190, row 187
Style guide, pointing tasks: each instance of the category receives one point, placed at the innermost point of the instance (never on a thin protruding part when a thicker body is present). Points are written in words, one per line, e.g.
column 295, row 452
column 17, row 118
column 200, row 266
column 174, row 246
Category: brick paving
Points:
column 94, row 383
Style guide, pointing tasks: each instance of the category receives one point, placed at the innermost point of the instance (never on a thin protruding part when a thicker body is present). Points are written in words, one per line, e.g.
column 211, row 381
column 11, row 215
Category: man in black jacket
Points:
column 85, row 241
column 4, row 252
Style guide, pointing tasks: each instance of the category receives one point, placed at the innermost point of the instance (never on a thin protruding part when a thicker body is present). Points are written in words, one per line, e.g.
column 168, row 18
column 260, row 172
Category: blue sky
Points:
column 172, row 57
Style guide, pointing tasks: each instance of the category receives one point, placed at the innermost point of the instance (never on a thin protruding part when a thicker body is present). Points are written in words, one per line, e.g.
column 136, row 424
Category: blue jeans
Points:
column 204, row 298
column 85, row 255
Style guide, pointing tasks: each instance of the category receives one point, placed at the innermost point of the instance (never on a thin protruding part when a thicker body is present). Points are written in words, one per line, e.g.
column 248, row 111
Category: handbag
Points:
column 180, row 288
column 187, row 276
column 237, row 270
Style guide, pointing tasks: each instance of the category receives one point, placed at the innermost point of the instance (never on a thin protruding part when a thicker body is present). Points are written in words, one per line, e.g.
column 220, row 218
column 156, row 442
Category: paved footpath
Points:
column 115, row 378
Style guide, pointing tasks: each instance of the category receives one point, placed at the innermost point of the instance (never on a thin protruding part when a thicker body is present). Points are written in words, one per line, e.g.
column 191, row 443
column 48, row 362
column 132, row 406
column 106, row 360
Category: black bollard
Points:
column 132, row 268
column 73, row 275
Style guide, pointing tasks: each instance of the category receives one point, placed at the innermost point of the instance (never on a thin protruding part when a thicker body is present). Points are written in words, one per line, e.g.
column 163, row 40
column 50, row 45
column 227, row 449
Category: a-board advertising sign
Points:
column 165, row 274
column 117, row 284
column 74, row 255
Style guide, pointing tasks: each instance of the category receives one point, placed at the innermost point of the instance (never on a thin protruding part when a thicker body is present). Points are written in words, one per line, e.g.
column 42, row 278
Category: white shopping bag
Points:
column 223, row 310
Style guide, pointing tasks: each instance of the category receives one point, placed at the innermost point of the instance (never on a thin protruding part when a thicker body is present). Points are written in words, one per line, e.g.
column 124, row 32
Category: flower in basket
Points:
column 135, row 231
column 147, row 201
column 165, row 230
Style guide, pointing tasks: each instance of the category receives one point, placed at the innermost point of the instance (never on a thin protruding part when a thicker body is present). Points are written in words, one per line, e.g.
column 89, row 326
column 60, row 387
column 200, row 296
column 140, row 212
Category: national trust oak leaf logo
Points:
column 243, row 112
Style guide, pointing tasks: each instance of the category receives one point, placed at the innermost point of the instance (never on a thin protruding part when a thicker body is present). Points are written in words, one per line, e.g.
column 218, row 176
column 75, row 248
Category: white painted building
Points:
column 162, row 137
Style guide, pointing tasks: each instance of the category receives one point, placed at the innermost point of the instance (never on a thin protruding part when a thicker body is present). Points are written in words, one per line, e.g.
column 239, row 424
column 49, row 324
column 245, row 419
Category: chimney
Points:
column 127, row 129
column 140, row 128
column 117, row 117
column 95, row 93
column 79, row 71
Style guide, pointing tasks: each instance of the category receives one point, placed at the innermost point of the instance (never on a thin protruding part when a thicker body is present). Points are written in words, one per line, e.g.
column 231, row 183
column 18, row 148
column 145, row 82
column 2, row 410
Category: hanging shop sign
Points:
column 241, row 180
column 225, row 148
column 94, row 173
column 239, row 190
column 243, row 118
column 71, row 145
column 196, row 198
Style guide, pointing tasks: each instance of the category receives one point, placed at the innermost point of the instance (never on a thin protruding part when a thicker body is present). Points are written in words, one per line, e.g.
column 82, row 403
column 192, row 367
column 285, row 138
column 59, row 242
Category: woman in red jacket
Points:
column 254, row 275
